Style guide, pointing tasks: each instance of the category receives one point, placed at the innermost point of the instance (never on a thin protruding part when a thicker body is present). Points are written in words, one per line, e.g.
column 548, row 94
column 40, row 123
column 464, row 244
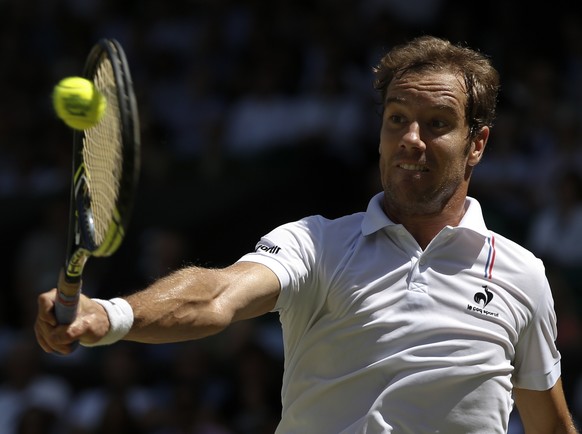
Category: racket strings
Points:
column 102, row 154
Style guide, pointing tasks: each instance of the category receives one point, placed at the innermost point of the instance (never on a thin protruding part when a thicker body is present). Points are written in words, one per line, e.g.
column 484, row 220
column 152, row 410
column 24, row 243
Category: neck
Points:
column 424, row 227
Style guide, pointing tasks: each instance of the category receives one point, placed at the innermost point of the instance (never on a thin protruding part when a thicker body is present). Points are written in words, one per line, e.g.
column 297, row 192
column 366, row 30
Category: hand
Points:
column 90, row 325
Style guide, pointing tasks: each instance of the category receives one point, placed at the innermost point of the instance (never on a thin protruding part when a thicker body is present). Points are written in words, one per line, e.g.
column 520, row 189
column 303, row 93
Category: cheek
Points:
column 388, row 142
column 458, row 166
column 387, row 134
column 383, row 146
column 383, row 167
column 455, row 151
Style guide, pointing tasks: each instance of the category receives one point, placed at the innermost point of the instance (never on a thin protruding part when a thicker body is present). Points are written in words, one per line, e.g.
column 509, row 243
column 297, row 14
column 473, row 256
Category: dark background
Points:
column 252, row 114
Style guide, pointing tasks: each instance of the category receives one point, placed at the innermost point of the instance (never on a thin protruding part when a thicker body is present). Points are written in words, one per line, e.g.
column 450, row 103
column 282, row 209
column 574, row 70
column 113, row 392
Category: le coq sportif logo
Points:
column 484, row 297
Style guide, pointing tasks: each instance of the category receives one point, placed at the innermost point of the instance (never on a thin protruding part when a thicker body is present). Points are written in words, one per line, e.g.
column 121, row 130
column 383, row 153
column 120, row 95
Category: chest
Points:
column 443, row 293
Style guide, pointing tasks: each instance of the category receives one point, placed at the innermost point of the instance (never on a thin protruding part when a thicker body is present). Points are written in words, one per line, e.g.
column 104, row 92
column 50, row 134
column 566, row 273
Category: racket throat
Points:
column 74, row 266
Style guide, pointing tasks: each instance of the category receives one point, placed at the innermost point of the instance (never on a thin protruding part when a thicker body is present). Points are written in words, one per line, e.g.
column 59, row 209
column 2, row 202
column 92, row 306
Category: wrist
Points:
column 120, row 316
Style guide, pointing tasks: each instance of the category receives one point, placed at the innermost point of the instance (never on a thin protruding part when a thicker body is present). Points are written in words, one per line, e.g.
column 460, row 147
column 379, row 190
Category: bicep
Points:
column 544, row 411
column 252, row 291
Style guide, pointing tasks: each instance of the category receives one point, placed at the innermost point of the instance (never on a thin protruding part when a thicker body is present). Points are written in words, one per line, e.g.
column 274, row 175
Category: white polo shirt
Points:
column 383, row 337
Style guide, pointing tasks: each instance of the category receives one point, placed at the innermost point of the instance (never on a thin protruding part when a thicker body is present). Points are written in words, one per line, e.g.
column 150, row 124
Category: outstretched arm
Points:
column 188, row 304
column 544, row 412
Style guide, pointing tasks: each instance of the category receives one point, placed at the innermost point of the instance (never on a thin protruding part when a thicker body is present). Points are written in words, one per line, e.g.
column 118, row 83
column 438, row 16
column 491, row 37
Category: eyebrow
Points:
column 394, row 99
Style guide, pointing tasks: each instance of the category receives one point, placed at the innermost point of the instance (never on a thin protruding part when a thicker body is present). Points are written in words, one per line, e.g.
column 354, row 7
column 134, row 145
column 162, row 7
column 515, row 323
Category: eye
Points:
column 438, row 124
column 396, row 119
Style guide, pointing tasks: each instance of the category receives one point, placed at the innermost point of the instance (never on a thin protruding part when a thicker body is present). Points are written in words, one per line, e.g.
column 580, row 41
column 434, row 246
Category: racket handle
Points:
column 67, row 300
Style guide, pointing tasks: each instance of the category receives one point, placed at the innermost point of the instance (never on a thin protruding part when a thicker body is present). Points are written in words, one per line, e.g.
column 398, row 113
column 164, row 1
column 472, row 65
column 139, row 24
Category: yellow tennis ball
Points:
column 78, row 102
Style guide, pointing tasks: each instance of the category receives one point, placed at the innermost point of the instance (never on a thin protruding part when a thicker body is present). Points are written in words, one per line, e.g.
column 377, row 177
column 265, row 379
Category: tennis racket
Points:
column 106, row 161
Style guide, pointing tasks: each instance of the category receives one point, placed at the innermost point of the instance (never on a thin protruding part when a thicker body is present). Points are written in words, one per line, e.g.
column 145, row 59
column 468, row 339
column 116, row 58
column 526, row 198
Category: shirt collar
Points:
column 375, row 218
column 473, row 218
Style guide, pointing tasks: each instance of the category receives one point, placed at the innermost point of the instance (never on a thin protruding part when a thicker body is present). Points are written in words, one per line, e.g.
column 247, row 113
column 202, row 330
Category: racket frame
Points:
column 81, row 243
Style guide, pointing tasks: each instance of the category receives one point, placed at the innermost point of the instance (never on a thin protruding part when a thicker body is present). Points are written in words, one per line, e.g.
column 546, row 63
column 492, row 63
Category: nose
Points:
column 412, row 138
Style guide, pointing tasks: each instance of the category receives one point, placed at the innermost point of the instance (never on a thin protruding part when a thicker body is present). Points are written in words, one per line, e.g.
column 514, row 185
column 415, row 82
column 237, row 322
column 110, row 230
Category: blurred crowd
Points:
column 252, row 114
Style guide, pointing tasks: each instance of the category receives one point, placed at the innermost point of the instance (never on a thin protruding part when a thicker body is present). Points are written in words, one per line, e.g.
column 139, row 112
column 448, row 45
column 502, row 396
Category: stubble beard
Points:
column 417, row 203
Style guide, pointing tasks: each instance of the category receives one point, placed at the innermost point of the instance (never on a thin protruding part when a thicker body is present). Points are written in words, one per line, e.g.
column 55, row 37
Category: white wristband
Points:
column 120, row 316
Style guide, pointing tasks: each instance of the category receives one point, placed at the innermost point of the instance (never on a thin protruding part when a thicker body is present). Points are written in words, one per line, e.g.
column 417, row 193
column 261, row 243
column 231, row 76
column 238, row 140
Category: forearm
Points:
column 182, row 306
column 544, row 412
column 189, row 304
column 566, row 426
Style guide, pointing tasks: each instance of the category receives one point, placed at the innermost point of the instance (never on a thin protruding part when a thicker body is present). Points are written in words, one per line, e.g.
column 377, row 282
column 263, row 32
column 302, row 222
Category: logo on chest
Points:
column 483, row 298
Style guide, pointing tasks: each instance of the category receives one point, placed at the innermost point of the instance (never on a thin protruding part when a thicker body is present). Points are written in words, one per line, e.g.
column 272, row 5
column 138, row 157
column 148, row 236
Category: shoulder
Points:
column 513, row 250
column 517, row 263
column 318, row 226
column 310, row 236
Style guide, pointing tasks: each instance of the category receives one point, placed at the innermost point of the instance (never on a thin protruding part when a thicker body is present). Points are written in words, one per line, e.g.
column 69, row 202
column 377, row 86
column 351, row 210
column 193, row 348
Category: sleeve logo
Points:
column 268, row 249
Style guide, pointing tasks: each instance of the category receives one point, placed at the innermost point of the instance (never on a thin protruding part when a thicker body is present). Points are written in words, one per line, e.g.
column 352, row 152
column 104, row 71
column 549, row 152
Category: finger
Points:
column 42, row 330
column 53, row 337
column 42, row 341
column 49, row 347
column 46, row 303
column 45, row 338
column 61, row 339
column 45, row 335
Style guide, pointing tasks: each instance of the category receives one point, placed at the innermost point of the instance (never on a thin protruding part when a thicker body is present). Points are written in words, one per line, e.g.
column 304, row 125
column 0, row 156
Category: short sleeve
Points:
column 537, row 359
column 289, row 252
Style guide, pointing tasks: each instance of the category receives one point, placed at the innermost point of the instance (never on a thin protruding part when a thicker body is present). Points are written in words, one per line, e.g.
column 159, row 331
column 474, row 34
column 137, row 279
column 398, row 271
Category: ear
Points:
column 478, row 146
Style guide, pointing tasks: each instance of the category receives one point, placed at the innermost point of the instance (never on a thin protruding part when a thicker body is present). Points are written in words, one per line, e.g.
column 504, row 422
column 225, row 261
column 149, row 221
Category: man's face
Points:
column 426, row 156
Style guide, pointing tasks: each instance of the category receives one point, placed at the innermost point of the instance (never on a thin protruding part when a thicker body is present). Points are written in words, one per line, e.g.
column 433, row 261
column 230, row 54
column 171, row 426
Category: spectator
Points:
column 556, row 230
column 28, row 395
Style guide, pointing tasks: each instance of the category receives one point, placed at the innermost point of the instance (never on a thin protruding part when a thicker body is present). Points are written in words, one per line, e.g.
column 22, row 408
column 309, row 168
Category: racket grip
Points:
column 67, row 300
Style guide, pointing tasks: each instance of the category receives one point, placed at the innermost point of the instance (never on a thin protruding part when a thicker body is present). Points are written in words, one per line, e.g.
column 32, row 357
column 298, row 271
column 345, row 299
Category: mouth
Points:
column 413, row 167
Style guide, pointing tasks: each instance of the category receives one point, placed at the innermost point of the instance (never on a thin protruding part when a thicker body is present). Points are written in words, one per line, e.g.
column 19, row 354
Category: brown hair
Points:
column 431, row 53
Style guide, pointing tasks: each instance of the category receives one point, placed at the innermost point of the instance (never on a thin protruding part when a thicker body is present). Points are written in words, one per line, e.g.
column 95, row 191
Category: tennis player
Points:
column 411, row 317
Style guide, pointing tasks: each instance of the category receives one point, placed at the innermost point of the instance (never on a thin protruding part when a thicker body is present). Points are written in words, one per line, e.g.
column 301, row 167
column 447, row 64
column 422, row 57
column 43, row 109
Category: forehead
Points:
column 428, row 89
